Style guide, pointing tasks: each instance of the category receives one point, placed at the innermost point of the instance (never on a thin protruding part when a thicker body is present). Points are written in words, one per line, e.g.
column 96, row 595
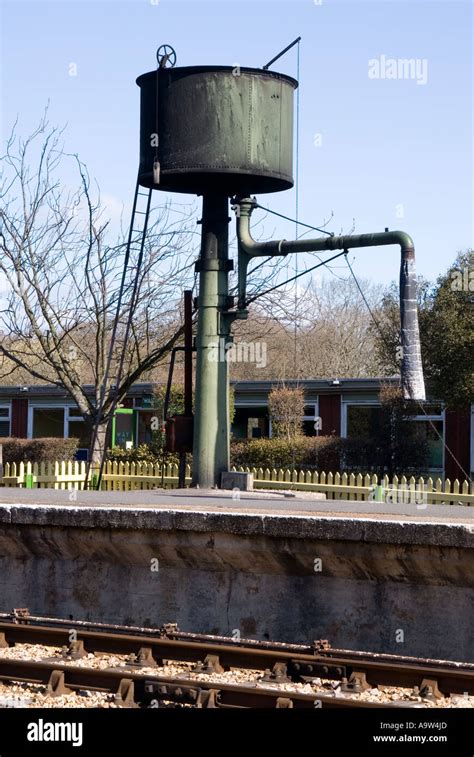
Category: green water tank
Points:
column 216, row 128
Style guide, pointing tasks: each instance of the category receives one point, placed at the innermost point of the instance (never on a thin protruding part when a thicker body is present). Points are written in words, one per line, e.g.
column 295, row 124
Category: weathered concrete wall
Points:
column 379, row 580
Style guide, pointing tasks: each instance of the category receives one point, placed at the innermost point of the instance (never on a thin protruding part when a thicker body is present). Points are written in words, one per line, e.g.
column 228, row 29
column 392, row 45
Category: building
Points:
column 347, row 406
column 342, row 407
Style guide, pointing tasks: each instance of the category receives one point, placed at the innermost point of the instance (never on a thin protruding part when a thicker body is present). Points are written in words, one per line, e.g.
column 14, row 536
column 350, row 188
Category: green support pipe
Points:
column 211, row 420
column 412, row 370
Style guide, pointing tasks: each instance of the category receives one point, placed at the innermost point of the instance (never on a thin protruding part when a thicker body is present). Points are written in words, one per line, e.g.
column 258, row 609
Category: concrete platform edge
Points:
column 314, row 526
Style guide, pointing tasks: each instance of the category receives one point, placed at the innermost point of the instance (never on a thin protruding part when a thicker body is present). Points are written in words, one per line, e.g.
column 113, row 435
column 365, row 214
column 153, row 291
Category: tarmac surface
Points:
column 246, row 502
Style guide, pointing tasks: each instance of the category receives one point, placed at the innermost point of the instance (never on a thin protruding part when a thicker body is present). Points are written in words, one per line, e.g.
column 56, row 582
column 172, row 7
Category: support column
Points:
column 211, row 420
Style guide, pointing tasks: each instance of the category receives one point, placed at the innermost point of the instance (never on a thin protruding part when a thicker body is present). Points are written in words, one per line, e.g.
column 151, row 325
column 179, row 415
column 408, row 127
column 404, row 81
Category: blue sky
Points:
column 393, row 152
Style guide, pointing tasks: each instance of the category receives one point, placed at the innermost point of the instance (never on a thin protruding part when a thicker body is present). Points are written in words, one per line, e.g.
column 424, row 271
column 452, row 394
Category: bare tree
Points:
column 322, row 329
column 62, row 275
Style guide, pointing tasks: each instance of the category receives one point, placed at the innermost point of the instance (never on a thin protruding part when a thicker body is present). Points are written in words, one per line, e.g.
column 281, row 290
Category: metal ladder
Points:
column 136, row 237
column 140, row 212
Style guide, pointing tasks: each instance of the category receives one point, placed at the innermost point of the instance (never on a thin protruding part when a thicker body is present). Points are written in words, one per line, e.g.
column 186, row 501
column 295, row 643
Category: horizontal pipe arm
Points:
column 283, row 247
column 412, row 369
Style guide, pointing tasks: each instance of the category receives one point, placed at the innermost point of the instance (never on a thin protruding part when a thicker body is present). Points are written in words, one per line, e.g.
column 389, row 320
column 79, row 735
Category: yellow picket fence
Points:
column 119, row 476
column 72, row 475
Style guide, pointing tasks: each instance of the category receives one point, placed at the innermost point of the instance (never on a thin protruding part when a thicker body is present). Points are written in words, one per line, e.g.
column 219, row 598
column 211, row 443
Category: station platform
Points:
column 217, row 500
column 365, row 575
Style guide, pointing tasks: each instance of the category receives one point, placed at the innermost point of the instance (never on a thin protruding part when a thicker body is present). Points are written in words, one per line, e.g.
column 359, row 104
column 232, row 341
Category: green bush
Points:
column 144, row 453
column 322, row 453
column 330, row 454
column 286, row 409
column 304, row 452
column 46, row 450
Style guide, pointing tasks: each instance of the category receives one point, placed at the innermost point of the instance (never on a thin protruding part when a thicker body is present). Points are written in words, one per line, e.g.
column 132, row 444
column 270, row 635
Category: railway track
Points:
column 132, row 688
column 280, row 663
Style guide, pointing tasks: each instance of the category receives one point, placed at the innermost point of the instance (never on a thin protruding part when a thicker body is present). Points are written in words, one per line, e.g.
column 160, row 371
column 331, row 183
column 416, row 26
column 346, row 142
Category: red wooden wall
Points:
column 330, row 414
column 457, row 439
column 19, row 425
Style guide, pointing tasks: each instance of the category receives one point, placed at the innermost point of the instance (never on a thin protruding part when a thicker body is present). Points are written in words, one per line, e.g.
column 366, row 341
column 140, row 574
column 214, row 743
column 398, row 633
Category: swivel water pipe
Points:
column 413, row 384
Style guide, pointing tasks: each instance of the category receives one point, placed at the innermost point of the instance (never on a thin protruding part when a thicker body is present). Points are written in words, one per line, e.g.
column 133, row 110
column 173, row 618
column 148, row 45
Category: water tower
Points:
column 222, row 132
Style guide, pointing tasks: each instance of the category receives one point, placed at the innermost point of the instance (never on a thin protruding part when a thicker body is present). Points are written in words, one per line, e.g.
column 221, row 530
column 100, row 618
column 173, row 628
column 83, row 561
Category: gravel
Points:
column 32, row 695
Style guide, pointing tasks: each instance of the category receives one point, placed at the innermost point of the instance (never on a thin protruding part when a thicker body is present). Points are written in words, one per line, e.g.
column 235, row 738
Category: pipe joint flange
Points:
column 213, row 264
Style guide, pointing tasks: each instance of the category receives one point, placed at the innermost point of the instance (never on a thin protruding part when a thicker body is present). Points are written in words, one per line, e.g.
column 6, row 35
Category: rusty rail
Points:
column 131, row 688
column 281, row 662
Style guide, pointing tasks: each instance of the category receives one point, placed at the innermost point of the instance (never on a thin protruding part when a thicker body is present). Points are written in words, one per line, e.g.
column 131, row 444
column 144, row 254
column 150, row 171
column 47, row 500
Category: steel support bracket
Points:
column 175, row 693
column 429, row 689
column 75, row 650
column 283, row 703
column 208, row 699
column 210, row 665
column 143, row 659
column 278, row 674
column 125, row 696
column 20, row 615
column 356, row 683
column 56, row 686
column 227, row 317
column 169, row 629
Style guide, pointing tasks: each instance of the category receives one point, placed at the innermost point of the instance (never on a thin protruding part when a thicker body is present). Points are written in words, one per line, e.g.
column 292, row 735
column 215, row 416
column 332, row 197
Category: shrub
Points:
column 286, row 408
column 304, row 452
column 399, row 446
column 46, row 450
column 330, row 454
column 144, row 453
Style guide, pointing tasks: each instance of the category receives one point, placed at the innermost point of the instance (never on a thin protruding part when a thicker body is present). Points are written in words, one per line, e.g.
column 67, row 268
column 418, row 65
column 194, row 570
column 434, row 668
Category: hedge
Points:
column 46, row 450
column 143, row 453
column 331, row 454
column 323, row 453
column 304, row 452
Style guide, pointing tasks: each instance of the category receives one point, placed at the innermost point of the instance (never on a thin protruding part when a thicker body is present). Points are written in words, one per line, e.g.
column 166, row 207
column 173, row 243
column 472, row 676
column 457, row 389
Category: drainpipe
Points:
column 413, row 384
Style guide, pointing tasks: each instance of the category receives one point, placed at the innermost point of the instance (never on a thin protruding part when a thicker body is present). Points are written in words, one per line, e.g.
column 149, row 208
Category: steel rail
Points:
column 370, row 669
column 131, row 688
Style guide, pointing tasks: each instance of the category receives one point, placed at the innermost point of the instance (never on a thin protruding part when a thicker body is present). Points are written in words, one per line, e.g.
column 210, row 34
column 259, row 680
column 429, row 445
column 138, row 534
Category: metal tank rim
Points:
column 186, row 70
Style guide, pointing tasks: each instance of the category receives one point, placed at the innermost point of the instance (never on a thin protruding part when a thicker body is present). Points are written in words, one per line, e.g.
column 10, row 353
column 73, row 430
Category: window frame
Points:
column 440, row 417
column 345, row 405
column 52, row 406
column 6, row 406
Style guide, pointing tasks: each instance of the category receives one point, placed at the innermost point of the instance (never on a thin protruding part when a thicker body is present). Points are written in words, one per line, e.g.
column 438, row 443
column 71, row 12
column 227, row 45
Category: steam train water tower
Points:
column 224, row 132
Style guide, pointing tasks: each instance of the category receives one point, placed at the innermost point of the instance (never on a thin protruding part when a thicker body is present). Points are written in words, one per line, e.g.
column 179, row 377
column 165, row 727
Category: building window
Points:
column 48, row 421
column 430, row 428
column 62, row 423
column 432, row 433
column 5, row 419
column 362, row 420
column 74, row 413
column 255, row 428
column 310, row 417
column 309, row 421
column 144, row 431
column 250, row 423
column 76, row 429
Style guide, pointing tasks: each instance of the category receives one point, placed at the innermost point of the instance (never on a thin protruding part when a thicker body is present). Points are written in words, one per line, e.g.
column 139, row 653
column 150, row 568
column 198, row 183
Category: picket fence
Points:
column 124, row 476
